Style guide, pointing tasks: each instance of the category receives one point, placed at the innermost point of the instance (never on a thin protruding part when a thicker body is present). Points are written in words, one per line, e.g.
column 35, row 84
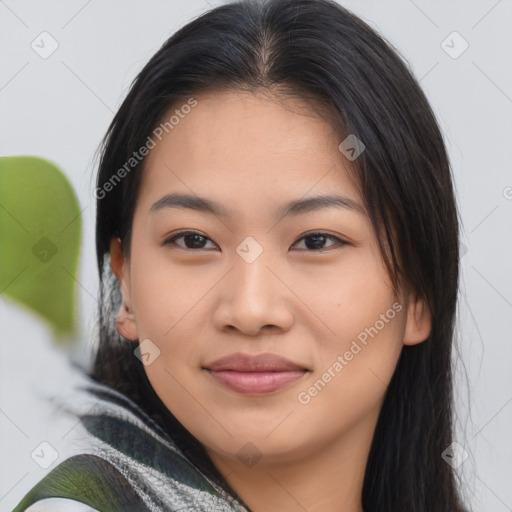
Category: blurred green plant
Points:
column 40, row 233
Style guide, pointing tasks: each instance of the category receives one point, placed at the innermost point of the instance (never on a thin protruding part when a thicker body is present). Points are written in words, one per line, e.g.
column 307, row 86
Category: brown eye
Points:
column 317, row 241
column 191, row 240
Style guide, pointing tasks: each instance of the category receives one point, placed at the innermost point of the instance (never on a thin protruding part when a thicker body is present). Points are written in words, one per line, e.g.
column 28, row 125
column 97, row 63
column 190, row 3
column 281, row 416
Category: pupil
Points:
column 317, row 241
column 197, row 239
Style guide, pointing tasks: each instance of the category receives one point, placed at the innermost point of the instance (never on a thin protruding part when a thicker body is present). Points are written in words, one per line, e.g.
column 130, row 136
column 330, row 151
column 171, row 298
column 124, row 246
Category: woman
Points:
column 277, row 241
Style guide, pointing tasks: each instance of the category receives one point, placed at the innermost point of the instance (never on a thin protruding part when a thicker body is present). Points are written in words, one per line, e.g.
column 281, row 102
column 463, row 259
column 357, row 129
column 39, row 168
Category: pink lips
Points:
column 255, row 375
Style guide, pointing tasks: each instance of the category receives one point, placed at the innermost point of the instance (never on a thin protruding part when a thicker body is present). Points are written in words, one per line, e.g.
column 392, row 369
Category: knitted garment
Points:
column 134, row 466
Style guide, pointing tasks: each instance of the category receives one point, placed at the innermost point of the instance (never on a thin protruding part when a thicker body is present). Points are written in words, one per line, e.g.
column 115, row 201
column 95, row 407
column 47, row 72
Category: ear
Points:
column 126, row 324
column 419, row 321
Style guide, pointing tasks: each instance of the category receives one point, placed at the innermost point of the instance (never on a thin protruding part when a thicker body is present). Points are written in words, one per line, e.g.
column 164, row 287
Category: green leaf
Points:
column 40, row 231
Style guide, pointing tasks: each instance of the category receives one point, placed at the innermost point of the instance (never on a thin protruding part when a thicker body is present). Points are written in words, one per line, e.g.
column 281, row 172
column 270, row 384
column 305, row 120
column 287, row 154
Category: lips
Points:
column 255, row 375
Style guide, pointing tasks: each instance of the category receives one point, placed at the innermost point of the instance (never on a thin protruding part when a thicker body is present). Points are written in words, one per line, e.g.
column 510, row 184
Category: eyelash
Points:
column 339, row 241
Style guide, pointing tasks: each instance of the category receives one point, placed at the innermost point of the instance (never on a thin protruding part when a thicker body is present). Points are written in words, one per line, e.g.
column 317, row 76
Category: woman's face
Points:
column 270, row 270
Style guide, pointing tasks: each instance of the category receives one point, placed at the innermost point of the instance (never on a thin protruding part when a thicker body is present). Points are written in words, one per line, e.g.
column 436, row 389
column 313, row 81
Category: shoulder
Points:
column 60, row 505
column 82, row 483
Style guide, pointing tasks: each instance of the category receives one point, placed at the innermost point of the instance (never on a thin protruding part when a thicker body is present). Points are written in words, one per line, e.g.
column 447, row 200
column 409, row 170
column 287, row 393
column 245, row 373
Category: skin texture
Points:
column 252, row 154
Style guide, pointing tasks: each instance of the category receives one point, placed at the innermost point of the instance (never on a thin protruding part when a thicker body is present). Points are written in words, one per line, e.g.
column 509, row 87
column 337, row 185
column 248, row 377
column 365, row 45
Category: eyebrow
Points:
column 296, row 207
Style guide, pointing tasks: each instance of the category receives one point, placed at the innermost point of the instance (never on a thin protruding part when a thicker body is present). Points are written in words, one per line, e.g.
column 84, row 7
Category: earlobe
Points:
column 125, row 323
column 419, row 321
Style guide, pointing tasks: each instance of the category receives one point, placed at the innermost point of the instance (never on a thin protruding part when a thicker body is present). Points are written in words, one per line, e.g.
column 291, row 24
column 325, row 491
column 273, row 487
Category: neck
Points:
column 328, row 478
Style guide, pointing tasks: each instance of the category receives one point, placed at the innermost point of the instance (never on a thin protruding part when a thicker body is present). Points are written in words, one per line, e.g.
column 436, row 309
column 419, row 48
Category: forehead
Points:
column 239, row 143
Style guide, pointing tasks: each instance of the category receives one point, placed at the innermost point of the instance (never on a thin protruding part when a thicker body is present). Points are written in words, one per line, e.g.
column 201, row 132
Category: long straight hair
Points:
column 318, row 51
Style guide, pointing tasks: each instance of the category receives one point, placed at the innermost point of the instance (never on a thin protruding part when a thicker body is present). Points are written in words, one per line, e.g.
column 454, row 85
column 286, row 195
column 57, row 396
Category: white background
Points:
column 59, row 108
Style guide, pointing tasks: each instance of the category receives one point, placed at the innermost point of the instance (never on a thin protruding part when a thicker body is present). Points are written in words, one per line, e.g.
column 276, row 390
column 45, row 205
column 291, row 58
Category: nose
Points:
column 254, row 298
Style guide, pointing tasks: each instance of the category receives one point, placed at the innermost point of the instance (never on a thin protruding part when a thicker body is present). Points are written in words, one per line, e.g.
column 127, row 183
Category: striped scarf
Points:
column 133, row 466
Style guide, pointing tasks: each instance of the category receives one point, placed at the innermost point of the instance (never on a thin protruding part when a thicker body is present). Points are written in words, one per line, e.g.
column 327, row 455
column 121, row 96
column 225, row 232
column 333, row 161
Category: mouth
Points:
column 255, row 375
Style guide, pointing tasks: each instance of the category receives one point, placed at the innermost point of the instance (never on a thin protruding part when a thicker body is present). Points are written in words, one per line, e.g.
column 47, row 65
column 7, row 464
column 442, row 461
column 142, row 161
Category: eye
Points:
column 191, row 240
column 316, row 241
column 312, row 242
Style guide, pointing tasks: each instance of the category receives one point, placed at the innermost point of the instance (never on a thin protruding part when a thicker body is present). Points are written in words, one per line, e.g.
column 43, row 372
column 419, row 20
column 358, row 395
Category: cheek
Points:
column 166, row 315
column 164, row 297
column 170, row 310
column 347, row 297
column 366, row 327
column 354, row 370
